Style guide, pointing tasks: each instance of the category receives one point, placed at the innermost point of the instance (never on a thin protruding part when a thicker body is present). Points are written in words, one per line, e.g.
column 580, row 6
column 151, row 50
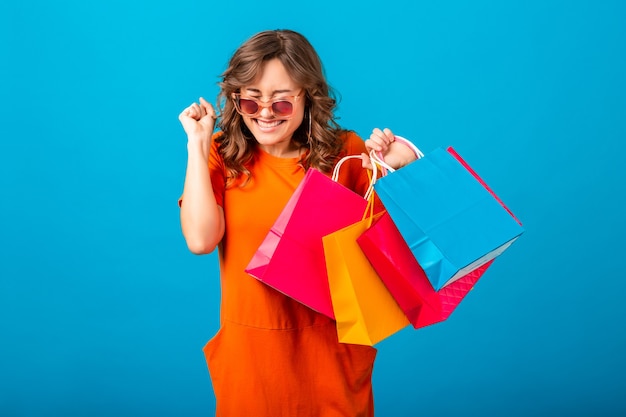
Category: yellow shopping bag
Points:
column 365, row 311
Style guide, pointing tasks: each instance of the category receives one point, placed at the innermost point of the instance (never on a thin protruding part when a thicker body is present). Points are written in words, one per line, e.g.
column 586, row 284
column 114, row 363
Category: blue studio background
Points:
column 103, row 311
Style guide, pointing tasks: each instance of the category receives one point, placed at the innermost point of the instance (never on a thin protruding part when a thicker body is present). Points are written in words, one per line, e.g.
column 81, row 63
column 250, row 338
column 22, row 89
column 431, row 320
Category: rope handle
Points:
column 373, row 175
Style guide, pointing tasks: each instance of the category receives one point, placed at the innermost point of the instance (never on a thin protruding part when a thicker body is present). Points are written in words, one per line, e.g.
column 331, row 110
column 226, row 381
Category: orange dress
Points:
column 273, row 356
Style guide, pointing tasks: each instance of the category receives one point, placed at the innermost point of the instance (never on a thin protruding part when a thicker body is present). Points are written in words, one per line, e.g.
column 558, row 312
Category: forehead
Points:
column 273, row 78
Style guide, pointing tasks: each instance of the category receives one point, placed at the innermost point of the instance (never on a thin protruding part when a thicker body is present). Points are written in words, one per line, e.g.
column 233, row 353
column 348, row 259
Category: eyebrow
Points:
column 256, row 90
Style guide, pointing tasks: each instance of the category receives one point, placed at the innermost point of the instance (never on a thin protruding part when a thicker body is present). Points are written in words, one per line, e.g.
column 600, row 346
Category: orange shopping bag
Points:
column 365, row 311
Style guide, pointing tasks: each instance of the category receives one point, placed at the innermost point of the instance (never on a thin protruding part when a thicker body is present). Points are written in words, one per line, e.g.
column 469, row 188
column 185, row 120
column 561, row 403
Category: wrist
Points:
column 198, row 148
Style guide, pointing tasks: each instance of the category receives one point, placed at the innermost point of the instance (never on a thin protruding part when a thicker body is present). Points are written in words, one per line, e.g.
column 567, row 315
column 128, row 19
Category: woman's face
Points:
column 273, row 132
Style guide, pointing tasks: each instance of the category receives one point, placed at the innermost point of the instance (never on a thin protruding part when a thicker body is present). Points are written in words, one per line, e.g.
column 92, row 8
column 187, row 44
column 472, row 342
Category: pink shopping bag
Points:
column 291, row 257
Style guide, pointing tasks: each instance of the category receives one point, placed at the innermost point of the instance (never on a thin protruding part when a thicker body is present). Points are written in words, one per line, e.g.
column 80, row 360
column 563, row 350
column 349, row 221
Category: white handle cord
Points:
column 378, row 162
column 374, row 174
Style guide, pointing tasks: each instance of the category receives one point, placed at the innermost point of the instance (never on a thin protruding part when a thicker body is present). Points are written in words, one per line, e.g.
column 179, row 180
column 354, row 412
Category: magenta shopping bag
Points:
column 405, row 279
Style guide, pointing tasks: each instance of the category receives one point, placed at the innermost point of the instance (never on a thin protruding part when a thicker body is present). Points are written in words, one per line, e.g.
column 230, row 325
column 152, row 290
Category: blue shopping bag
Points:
column 447, row 215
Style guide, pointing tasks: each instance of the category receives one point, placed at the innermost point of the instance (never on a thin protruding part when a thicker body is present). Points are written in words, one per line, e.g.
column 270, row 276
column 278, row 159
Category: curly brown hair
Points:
column 321, row 140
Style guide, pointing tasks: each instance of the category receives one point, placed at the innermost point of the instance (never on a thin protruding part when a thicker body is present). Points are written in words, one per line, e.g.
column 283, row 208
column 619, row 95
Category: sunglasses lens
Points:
column 248, row 106
column 282, row 108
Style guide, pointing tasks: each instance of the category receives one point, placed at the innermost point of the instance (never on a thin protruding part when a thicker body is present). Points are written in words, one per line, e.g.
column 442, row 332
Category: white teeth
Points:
column 265, row 124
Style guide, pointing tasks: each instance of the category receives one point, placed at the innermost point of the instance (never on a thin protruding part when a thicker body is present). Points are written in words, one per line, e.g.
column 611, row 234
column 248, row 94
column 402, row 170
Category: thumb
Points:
column 366, row 163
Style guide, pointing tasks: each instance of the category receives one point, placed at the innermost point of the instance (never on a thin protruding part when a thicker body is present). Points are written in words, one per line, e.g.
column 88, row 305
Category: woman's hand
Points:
column 198, row 121
column 395, row 154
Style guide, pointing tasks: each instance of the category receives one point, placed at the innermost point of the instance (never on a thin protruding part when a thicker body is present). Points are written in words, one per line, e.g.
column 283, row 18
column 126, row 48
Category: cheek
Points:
column 299, row 118
column 247, row 121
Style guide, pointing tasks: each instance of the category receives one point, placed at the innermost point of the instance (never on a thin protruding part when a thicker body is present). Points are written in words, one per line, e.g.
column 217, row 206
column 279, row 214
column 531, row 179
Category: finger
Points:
column 200, row 111
column 186, row 113
column 372, row 145
column 377, row 140
column 377, row 133
column 187, row 121
column 389, row 136
column 376, row 143
column 385, row 135
column 208, row 108
column 190, row 112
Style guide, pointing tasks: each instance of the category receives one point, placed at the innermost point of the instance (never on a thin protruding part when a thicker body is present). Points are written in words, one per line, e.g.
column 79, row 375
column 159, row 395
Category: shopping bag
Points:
column 365, row 311
column 291, row 257
column 451, row 221
column 392, row 259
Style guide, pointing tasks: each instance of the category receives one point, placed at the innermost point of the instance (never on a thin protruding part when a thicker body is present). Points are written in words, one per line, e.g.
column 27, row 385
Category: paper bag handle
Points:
column 373, row 176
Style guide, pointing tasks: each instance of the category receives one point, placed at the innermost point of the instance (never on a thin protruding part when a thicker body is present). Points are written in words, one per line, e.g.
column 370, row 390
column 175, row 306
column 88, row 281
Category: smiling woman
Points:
column 273, row 131
column 272, row 355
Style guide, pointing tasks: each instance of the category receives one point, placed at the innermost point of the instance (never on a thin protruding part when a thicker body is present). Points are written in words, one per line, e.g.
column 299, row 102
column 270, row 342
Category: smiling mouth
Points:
column 268, row 124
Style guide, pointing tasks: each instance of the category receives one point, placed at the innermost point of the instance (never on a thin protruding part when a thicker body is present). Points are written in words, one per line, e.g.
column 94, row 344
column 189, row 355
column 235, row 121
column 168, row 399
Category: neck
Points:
column 292, row 150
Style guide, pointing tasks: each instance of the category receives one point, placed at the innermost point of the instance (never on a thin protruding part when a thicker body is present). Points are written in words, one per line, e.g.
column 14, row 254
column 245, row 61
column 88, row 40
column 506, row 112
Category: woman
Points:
column 272, row 355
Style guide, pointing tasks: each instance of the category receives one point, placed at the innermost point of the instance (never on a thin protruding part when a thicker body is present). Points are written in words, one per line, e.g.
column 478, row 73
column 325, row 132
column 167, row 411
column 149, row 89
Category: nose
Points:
column 266, row 111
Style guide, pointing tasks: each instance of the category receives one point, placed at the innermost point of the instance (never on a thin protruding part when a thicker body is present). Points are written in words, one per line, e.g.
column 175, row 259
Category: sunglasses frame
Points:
column 265, row 104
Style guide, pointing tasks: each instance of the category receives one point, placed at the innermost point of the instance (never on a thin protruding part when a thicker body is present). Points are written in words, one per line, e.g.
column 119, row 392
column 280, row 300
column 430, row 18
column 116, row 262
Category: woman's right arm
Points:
column 201, row 218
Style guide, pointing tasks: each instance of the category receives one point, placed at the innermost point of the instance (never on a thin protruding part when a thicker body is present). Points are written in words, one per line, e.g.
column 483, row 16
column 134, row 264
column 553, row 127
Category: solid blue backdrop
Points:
column 103, row 311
